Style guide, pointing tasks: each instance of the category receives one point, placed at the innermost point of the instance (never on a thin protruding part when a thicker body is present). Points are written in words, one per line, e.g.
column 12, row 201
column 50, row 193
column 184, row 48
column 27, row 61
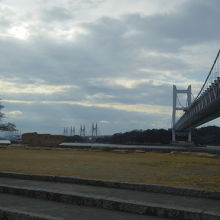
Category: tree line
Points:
column 209, row 135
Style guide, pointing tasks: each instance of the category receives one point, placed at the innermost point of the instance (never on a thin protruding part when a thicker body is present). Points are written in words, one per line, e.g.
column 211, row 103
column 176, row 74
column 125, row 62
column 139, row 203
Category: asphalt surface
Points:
column 65, row 211
column 157, row 199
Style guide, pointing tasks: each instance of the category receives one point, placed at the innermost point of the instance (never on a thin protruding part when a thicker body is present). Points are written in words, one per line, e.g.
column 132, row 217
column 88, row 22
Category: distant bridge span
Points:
column 204, row 108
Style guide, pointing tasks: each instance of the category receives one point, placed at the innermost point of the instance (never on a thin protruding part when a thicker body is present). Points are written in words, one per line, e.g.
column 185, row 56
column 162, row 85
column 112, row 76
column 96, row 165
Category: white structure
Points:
column 94, row 130
column 72, row 131
column 182, row 108
column 83, row 130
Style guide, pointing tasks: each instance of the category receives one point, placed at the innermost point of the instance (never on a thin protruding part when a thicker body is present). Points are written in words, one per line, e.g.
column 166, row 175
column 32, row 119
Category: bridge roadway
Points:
column 64, row 199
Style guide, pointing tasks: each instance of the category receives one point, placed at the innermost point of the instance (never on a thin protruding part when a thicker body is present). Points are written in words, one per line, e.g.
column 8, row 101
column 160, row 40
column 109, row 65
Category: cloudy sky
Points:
column 71, row 62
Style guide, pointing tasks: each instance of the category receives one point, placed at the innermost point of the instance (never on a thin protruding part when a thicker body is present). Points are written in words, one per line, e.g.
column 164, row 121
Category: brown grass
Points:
column 152, row 168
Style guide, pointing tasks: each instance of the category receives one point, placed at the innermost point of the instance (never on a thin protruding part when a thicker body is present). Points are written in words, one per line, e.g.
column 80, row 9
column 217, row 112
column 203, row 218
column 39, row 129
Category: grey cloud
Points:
column 103, row 53
column 108, row 50
column 147, row 94
column 144, row 93
column 7, row 17
column 82, row 4
column 4, row 23
column 52, row 118
column 56, row 13
column 195, row 22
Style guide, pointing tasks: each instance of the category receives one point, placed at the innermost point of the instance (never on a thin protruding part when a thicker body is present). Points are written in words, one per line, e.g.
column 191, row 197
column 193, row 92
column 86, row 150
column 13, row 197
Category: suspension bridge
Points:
column 204, row 108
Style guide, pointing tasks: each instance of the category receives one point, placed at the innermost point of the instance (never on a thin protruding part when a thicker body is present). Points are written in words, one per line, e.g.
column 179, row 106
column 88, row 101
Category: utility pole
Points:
column 92, row 129
column 84, row 130
column 80, row 133
column 96, row 130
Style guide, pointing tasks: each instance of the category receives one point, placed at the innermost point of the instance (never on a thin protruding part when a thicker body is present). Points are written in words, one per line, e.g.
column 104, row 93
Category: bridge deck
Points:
column 203, row 109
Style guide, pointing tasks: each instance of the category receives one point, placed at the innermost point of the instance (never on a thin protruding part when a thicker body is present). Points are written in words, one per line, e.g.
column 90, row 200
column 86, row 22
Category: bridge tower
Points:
column 175, row 108
column 83, row 130
column 94, row 130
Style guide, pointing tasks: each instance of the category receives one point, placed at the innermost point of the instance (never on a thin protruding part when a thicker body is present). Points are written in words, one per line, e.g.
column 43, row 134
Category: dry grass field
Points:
column 152, row 168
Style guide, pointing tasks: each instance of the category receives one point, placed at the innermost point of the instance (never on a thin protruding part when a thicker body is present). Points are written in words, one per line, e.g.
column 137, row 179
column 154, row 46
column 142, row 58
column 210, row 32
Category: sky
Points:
column 65, row 63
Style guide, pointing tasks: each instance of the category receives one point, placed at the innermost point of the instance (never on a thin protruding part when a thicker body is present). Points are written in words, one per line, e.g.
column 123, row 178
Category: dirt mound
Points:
column 47, row 140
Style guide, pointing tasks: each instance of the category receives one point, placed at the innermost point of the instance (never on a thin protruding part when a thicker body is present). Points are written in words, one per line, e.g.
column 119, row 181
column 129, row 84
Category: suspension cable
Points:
column 179, row 102
column 193, row 96
column 208, row 75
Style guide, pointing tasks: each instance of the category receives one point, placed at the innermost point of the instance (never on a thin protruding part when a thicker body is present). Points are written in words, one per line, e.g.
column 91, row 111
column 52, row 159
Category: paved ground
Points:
column 157, row 199
column 66, row 211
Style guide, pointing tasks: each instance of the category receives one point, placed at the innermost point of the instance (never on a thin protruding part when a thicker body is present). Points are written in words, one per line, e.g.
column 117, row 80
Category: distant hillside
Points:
column 207, row 135
column 150, row 136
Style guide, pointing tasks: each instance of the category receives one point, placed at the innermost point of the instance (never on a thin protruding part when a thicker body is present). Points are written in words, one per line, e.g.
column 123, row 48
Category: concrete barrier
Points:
column 113, row 204
column 12, row 214
column 120, row 185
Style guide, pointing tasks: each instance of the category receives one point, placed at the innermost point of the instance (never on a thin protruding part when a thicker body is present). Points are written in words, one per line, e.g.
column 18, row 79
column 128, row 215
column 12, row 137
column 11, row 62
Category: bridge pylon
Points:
column 176, row 91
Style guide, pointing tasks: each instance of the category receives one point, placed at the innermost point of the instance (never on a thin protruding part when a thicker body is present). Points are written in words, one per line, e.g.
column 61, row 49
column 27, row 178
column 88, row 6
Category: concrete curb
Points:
column 12, row 214
column 113, row 204
column 120, row 185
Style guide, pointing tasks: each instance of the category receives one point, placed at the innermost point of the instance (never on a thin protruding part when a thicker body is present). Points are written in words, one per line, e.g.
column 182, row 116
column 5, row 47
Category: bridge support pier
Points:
column 173, row 135
column 189, row 136
column 175, row 108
